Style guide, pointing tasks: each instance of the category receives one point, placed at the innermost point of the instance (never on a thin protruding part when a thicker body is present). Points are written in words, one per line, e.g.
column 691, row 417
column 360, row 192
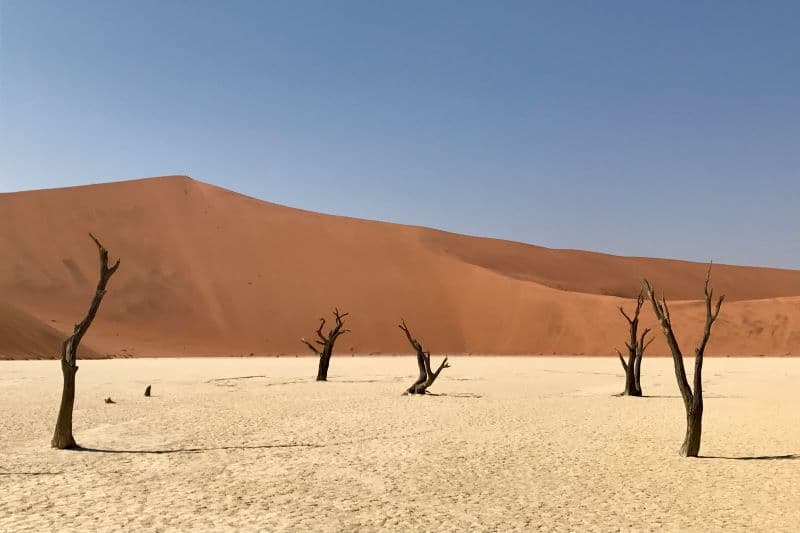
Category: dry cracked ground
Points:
column 505, row 444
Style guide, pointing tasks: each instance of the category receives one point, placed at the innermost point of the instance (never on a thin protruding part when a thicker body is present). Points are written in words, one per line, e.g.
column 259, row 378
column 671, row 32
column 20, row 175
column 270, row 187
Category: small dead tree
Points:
column 62, row 436
column 692, row 399
column 426, row 375
column 636, row 346
column 326, row 342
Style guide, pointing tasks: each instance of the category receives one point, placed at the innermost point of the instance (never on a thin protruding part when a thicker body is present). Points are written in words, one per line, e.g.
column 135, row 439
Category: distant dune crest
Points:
column 212, row 272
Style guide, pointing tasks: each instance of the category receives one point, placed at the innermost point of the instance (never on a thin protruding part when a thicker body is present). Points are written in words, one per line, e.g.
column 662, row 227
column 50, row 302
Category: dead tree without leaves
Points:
column 426, row 375
column 323, row 345
column 692, row 399
column 62, row 436
column 636, row 346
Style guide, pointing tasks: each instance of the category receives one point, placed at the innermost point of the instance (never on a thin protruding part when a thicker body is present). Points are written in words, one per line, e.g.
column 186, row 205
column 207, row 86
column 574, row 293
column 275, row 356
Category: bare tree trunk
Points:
column 630, row 377
column 419, row 384
column 636, row 347
column 324, row 363
column 694, row 430
column 637, row 369
column 426, row 374
column 692, row 399
column 326, row 343
column 62, row 436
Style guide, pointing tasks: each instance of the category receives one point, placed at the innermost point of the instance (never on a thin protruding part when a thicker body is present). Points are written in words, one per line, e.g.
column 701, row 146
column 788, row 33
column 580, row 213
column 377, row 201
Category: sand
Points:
column 511, row 444
column 206, row 271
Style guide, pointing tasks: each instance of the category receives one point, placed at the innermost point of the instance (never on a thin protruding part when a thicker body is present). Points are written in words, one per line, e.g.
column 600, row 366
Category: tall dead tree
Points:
column 325, row 343
column 636, row 346
column 692, row 399
column 426, row 375
column 62, row 437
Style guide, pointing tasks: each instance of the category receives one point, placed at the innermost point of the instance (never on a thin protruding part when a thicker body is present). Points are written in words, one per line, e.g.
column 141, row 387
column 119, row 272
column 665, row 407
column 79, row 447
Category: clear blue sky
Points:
column 666, row 129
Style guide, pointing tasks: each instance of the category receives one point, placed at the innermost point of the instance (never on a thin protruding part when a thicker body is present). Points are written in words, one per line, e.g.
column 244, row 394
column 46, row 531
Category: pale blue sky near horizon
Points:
column 663, row 129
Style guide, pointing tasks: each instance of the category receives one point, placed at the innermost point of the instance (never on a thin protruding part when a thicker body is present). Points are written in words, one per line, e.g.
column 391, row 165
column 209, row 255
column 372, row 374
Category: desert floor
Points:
column 507, row 444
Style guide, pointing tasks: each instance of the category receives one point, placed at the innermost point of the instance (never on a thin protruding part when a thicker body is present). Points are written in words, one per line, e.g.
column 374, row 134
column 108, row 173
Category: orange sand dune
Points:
column 206, row 271
column 23, row 336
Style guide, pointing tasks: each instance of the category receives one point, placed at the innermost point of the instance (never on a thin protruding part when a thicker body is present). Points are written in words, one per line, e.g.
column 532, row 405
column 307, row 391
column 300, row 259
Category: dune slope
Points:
column 25, row 336
column 206, row 271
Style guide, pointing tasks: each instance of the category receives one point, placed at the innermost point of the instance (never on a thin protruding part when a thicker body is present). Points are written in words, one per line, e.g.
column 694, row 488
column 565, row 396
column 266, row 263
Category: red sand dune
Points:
column 206, row 271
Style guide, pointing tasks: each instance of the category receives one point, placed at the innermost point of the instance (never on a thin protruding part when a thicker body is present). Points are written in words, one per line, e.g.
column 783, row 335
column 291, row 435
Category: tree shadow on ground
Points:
column 786, row 457
column 454, row 395
column 388, row 380
column 235, row 378
column 707, row 396
column 31, row 473
column 198, row 450
column 245, row 447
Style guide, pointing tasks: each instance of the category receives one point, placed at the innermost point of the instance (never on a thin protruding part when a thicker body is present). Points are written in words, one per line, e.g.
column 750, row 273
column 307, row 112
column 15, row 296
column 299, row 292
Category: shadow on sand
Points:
column 31, row 473
column 708, row 396
column 455, row 395
column 755, row 458
column 334, row 380
column 234, row 378
column 199, row 450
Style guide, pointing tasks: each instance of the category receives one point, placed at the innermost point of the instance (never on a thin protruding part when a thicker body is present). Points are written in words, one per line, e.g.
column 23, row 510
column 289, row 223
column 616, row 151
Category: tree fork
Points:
column 326, row 343
column 692, row 399
column 426, row 375
column 636, row 346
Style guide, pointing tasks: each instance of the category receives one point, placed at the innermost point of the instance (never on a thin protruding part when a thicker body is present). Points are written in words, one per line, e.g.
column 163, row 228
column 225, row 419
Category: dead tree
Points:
column 326, row 342
column 636, row 346
column 426, row 375
column 692, row 399
column 62, row 437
